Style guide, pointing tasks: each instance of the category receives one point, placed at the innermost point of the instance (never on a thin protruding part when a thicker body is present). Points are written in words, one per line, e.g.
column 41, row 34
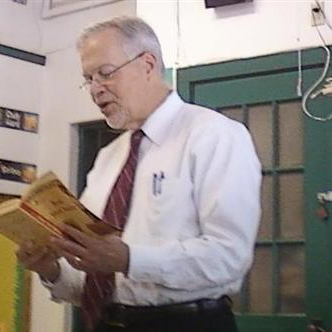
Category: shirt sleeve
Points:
column 227, row 176
column 69, row 285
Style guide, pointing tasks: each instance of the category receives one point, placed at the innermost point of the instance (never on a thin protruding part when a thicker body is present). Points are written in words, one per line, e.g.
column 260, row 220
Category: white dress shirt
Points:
column 195, row 208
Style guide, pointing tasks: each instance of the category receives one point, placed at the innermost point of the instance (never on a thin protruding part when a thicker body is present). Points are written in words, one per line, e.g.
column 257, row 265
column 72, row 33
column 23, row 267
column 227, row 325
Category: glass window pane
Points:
column 235, row 113
column 260, row 281
column 292, row 278
column 260, row 126
column 265, row 227
column 291, row 134
column 291, row 206
column 236, row 302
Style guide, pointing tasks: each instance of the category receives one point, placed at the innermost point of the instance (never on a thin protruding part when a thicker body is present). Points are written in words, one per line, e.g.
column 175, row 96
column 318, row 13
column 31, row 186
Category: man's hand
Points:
column 39, row 259
column 105, row 254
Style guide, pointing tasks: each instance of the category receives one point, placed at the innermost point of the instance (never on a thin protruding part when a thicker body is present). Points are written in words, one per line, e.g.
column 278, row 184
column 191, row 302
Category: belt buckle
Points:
column 118, row 317
column 115, row 323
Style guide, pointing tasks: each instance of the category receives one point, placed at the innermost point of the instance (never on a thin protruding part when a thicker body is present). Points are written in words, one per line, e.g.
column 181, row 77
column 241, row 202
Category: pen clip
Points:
column 160, row 179
column 157, row 183
column 154, row 184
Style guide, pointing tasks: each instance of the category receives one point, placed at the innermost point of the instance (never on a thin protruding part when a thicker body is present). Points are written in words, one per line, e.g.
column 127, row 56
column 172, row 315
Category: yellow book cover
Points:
column 45, row 205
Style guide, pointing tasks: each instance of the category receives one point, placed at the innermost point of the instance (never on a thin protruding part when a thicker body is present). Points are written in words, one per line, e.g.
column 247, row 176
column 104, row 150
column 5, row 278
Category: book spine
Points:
column 54, row 229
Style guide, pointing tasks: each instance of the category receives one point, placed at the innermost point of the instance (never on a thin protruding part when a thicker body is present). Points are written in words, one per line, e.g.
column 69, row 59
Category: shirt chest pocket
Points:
column 168, row 194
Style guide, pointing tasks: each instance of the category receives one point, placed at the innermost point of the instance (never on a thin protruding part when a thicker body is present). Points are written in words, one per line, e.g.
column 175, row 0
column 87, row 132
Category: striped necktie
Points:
column 98, row 288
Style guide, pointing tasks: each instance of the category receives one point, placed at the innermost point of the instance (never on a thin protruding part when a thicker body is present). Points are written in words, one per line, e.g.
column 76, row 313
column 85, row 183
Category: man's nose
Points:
column 96, row 87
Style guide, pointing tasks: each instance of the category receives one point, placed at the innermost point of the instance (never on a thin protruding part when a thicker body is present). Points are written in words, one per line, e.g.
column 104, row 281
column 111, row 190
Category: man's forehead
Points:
column 101, row 48
column 107, row 40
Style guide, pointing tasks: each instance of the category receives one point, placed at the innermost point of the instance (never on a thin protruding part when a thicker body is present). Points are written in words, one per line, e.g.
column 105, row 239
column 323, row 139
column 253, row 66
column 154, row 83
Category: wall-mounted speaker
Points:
column 219, row 3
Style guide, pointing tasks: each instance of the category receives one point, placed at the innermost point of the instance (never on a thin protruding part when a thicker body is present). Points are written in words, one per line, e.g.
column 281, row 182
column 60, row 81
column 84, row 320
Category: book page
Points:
column 19, row 227
column 49, row 197
column 9, row 205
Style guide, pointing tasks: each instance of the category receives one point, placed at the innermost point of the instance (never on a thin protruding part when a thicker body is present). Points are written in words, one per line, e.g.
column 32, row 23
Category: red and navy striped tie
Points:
column 98, row 288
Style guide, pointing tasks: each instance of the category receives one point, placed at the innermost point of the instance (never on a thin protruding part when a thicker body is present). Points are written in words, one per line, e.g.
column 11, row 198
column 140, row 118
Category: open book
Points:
column 45, row 205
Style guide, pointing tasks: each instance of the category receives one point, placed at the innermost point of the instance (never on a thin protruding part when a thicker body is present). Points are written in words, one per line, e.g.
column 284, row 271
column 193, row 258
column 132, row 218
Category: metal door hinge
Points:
column 324, row 197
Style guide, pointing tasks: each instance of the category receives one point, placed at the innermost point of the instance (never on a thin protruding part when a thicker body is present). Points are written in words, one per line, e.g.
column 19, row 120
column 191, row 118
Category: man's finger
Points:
column 75, row 261
column 26, row 248
column 64, row 247
column 76, row 234
column 30, row 260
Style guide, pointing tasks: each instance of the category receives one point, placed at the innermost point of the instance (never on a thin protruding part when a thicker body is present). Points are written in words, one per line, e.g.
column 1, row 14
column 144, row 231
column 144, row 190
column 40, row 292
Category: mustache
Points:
column 102, row 102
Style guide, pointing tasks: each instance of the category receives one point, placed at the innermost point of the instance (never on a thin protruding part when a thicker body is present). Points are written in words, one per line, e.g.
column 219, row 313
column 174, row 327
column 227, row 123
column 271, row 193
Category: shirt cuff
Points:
column 51, row 285
column 69, row 285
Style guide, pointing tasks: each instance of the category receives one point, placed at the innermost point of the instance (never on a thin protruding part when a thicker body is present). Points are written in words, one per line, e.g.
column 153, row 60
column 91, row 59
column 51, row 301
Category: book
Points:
column 42, row 209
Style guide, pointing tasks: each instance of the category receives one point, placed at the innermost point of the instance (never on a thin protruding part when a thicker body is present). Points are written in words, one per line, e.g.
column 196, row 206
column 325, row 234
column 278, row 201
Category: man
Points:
column 182, row 182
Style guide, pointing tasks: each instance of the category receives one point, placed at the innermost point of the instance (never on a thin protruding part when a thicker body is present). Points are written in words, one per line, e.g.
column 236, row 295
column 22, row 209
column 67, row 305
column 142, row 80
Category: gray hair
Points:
column 136, row 37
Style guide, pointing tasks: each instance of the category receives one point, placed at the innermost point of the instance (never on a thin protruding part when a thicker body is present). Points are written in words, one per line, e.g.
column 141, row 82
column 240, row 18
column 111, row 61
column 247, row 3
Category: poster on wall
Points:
column 15, row 287
column 15, row 290
column 19, row 120
column 17, row 172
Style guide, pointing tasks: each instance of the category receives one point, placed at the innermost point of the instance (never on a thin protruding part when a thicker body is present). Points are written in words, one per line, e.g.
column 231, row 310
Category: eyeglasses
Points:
column 104, row 74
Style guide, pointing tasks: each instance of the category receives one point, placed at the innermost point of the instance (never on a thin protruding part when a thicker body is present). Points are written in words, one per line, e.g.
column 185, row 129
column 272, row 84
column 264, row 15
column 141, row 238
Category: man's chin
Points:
column 114, row 124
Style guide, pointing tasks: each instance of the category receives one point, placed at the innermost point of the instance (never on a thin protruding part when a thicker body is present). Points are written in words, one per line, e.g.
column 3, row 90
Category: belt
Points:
column 124, row 315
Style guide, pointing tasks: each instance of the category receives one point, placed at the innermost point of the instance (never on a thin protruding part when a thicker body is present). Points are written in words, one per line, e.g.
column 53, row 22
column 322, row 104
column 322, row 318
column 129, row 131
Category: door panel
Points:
column 249, row 90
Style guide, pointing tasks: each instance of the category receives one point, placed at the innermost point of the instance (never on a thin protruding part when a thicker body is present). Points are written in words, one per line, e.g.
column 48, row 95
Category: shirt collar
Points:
column 159, row 122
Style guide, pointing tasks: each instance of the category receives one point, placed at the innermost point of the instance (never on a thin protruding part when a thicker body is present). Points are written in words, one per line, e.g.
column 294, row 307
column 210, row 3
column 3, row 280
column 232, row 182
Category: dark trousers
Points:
column 204, row 320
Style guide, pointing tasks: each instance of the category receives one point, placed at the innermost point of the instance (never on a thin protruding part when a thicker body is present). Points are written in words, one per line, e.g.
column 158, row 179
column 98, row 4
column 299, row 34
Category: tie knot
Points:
column 136, row 138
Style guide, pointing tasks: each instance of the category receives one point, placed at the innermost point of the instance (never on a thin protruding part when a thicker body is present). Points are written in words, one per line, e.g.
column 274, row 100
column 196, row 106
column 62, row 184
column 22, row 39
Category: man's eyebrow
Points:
column 85, row 75
column 108, row 64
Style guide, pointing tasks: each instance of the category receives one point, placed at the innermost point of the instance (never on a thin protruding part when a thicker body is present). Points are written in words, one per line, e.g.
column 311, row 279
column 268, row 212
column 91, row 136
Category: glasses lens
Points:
column 102, row 77
column 85, row 85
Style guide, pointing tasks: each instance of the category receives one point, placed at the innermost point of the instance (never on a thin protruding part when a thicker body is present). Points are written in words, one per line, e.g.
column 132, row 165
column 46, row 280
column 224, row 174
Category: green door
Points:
column 290, row 285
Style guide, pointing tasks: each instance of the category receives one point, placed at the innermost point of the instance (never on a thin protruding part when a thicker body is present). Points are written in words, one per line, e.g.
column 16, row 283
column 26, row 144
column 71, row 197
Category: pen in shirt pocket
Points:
column 160, row 179
column 157, row 183
column 154, row 184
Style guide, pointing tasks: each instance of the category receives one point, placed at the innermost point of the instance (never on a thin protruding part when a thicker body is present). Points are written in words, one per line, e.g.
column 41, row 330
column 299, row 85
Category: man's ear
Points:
column 150, row 63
